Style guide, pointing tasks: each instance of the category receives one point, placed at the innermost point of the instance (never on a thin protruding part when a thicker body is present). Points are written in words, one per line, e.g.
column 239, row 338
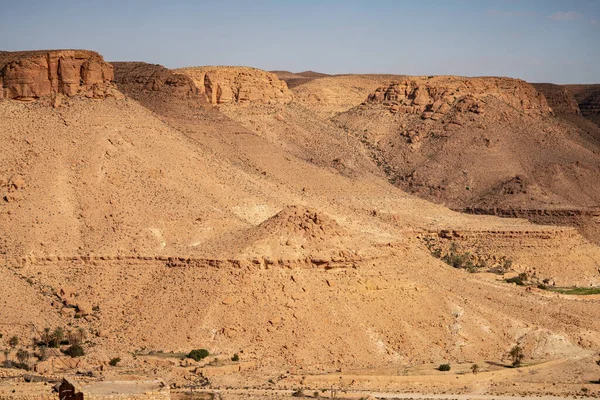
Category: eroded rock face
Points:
column 435, row 96
column 34, row 74
column 136, row 77
column 588, row 98
column 559, row 98
column 227, row 85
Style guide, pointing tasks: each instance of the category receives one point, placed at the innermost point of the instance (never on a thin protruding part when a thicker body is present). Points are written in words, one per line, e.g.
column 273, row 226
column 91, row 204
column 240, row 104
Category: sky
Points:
column 536, row 40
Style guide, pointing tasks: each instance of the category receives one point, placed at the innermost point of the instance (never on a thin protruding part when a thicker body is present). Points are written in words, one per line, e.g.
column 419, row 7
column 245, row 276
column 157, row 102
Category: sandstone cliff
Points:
column 34, row 74
column 433, row 97
column 226, row 85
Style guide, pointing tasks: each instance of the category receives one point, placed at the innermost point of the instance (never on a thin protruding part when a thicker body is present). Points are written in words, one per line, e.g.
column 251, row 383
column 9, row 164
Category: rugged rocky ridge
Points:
column 146, row 78
column 588, row 97
column 226, row 85
column 470, row 143
column 34, row 74
column 433, row 97
column 559, row 98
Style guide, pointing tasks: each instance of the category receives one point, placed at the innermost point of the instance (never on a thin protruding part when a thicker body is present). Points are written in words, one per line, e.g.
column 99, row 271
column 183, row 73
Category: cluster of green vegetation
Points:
column 114, row 361
column 520, row 279
column 582, row 291
column 444, row 367
column 198, row 354
column 517, row 355
column 60, row 337
column 457, row 259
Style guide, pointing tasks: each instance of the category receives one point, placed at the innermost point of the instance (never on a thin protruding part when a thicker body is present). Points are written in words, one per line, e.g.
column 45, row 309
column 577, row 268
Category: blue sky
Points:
column 540, row 41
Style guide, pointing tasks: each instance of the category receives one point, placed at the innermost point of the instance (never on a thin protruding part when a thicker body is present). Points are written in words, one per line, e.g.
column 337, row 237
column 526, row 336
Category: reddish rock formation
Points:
column 138, row 78
column 225, row 85
column 436, row 96
column 34, row 74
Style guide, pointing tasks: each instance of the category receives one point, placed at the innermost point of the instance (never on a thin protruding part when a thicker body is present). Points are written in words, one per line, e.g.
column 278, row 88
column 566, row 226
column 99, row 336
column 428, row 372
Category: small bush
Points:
column 235, row 357
column 519, row 279
column 198, row 354
column 298, row 393
column 444, row 367
column 475, row 368
column 14, row 341
column 114, row 361
column 75, row 350
column 23, row 356
column 20, row 365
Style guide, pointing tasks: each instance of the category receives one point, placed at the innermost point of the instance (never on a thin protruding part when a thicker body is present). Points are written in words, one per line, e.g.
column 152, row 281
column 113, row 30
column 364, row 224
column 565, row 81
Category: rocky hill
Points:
column 231, row 85
column 465, row 142
column 588, row 98
column 34, row 74
column 434, row 97
column 154, row 222
column 559, row 98
column 296, row 79
column 139, row 79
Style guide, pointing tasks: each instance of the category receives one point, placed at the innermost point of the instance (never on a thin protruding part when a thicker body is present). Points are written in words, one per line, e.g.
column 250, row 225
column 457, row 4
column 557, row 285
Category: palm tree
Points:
column 517, row 356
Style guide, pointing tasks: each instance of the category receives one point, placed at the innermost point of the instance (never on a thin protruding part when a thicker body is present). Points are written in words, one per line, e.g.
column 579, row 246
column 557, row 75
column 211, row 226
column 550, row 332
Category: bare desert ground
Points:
column 309, row 237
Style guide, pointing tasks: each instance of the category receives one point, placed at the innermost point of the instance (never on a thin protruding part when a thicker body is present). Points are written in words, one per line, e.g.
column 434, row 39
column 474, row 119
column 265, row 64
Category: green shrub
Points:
column 20, row 365
column 198, row 354
column 235, row 357
column 114, row 361
column 444, row 367
column 14, row 341
column 75, row 350
column 519, row 279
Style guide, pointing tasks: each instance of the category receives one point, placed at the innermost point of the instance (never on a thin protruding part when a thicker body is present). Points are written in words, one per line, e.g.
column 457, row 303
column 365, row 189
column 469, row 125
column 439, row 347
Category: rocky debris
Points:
column 11, row 189
column 302, row 220
column 435, row 97
column 29, row 75
column 559, row 98
column 227, row 85
column 133, row 77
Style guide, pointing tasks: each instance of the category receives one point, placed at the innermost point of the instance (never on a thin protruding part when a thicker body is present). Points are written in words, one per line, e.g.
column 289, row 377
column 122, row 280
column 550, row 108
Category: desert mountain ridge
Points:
column 165, row 210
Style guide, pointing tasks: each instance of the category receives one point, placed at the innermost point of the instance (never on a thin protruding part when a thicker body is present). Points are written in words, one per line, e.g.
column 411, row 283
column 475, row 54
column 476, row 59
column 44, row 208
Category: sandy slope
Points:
column 179, row 226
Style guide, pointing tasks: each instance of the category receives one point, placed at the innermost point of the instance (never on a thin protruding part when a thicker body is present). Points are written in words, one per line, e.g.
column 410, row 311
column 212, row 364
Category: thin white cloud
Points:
column 498, row 13
column 566, row 16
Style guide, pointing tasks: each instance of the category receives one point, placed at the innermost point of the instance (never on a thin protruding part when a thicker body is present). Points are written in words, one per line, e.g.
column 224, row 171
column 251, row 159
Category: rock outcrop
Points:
column 588, row 98
column 559, row 98
column 142, row 78
column 33, row 74
column 227, row 85
column 434, row 97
